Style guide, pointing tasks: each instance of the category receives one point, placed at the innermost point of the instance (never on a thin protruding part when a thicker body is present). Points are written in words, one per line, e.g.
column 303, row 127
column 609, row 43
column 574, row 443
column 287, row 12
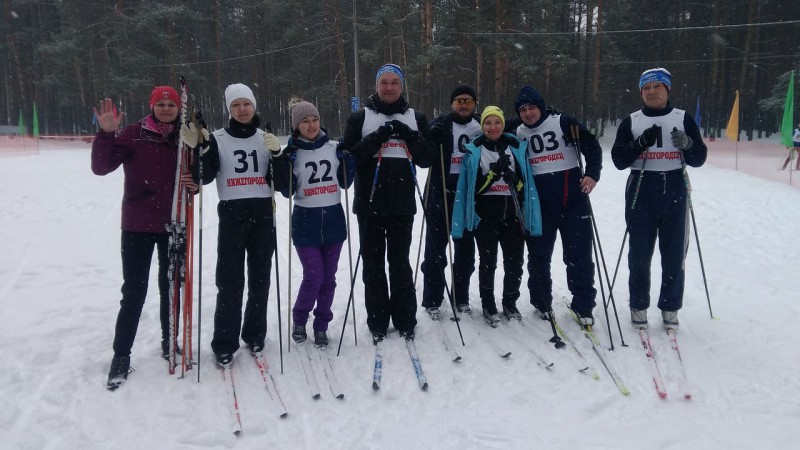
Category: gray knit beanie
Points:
column 301, row 110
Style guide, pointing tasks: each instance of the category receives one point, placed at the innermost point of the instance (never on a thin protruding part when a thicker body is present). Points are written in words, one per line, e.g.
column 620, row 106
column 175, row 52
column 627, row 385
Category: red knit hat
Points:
column 164, row 92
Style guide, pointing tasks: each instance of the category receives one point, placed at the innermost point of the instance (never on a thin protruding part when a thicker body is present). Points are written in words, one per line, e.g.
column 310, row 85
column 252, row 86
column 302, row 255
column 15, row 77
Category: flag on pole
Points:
column 22, row 130
column 787, row 125
column 35, row 122
column 732, row 131
column 697, row 112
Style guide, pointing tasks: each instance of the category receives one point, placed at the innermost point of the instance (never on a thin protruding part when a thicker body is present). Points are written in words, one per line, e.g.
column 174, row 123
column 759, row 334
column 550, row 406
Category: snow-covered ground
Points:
column 59, row 293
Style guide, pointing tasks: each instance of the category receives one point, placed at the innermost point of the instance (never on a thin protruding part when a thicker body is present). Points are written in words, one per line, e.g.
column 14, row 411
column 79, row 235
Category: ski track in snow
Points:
column 59, row 294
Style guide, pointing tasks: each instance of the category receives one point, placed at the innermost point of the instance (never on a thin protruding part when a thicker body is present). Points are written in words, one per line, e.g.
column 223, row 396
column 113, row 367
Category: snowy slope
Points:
column 59, row 290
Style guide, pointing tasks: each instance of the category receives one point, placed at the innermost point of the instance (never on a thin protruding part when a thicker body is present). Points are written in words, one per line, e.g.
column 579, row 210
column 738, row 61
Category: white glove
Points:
column 680, row 140
column 190, row 135
column 272, row 144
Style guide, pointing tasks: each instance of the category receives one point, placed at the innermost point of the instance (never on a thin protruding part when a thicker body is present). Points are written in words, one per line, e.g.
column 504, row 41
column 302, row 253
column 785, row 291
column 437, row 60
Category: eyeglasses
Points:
column 464, row 101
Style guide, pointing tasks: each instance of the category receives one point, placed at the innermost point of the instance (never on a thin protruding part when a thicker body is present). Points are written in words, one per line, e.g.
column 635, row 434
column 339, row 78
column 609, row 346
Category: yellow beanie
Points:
column 492, row 111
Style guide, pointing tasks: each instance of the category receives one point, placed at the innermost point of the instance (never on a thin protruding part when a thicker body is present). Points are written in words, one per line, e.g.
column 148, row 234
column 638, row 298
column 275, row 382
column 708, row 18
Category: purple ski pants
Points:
column 318, row 286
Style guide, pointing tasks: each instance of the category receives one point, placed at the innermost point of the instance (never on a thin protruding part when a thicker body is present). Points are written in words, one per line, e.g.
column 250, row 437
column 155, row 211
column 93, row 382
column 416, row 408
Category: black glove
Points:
column 510, row 177
column 290, row 152
column 649, row 137
column 552, row 110
column 680, row 140
column 403, row 131
column 382, row 134
column 502, row 164
column 438, row 132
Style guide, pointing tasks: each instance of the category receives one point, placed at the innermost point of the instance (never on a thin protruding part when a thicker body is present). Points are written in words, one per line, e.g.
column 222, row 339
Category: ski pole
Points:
column 375, row 178
column 449, row 246
column 597, row 248
column 694, row 226
column 200, row 263
column 349, row 247
column 424, row 212
column 349, row 302
column 289, row 252
column 422, row 230
column 275, row 250
column 515, row 200
column 633, row 206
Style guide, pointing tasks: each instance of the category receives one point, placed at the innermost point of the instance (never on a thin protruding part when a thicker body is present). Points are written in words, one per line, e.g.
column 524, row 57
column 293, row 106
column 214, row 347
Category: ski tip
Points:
column 284, row 415
column 424, row 387
column 375, row 386
column 457, row 359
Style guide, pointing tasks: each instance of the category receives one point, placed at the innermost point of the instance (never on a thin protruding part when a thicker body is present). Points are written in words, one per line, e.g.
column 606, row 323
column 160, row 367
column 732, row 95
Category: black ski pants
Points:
column 660, row 213
column 246, row 232
column 506, row 232
column 137, row 253
column 382, row 239
column 435, row 262
column 565, row 211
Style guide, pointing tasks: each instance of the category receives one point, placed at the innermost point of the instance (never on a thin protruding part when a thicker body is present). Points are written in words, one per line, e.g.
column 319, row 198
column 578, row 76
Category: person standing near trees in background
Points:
column 796, row 142
column 318, row 223
column 148, row 153
column 563, row 194
column 494, row 169
column 387, row 138
column 237, row 158
column 656, row 143
column 795, row 151
column 448, row 131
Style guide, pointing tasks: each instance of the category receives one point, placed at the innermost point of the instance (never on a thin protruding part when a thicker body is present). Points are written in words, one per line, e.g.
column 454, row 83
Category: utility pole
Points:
column 355, row 101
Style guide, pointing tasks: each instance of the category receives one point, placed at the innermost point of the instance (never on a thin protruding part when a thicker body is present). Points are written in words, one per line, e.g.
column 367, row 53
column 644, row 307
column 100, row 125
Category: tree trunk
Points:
column 427, row 43
column 596, row 106
column 501, row 63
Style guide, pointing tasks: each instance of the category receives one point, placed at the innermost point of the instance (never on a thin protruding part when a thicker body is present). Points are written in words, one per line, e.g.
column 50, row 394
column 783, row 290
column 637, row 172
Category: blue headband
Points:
column 390, row 68
column 660, row 75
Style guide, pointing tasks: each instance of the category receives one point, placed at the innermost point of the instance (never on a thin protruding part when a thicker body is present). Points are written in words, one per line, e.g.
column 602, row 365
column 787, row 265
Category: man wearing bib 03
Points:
column 657, row 142
column 387, row 139
column 563, row 193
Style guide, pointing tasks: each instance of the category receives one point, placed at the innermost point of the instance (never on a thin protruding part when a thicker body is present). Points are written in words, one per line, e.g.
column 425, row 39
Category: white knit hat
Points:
column 239, row 90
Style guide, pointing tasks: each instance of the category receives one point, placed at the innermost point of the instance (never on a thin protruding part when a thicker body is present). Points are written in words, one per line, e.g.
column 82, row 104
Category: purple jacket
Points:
column 149, row 162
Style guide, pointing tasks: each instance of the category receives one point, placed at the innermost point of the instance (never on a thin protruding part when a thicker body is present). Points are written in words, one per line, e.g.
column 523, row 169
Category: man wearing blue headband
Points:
column 656, row 143
column 387, row 139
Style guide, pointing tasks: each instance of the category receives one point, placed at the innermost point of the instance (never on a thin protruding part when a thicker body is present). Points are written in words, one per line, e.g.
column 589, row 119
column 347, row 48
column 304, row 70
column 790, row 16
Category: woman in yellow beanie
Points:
column 496, row 199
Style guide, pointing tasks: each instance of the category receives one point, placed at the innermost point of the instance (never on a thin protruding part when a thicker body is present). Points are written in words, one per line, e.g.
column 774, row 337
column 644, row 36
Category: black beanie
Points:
column 462, row 89
column 528, row 96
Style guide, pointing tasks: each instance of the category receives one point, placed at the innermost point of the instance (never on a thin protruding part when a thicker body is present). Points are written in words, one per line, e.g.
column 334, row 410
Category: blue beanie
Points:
column 391, row 68
column 658, row 74
column 528, row 96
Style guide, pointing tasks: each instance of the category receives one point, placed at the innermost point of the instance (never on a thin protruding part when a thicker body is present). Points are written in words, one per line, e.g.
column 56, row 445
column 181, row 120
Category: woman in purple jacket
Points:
column 147, row 151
